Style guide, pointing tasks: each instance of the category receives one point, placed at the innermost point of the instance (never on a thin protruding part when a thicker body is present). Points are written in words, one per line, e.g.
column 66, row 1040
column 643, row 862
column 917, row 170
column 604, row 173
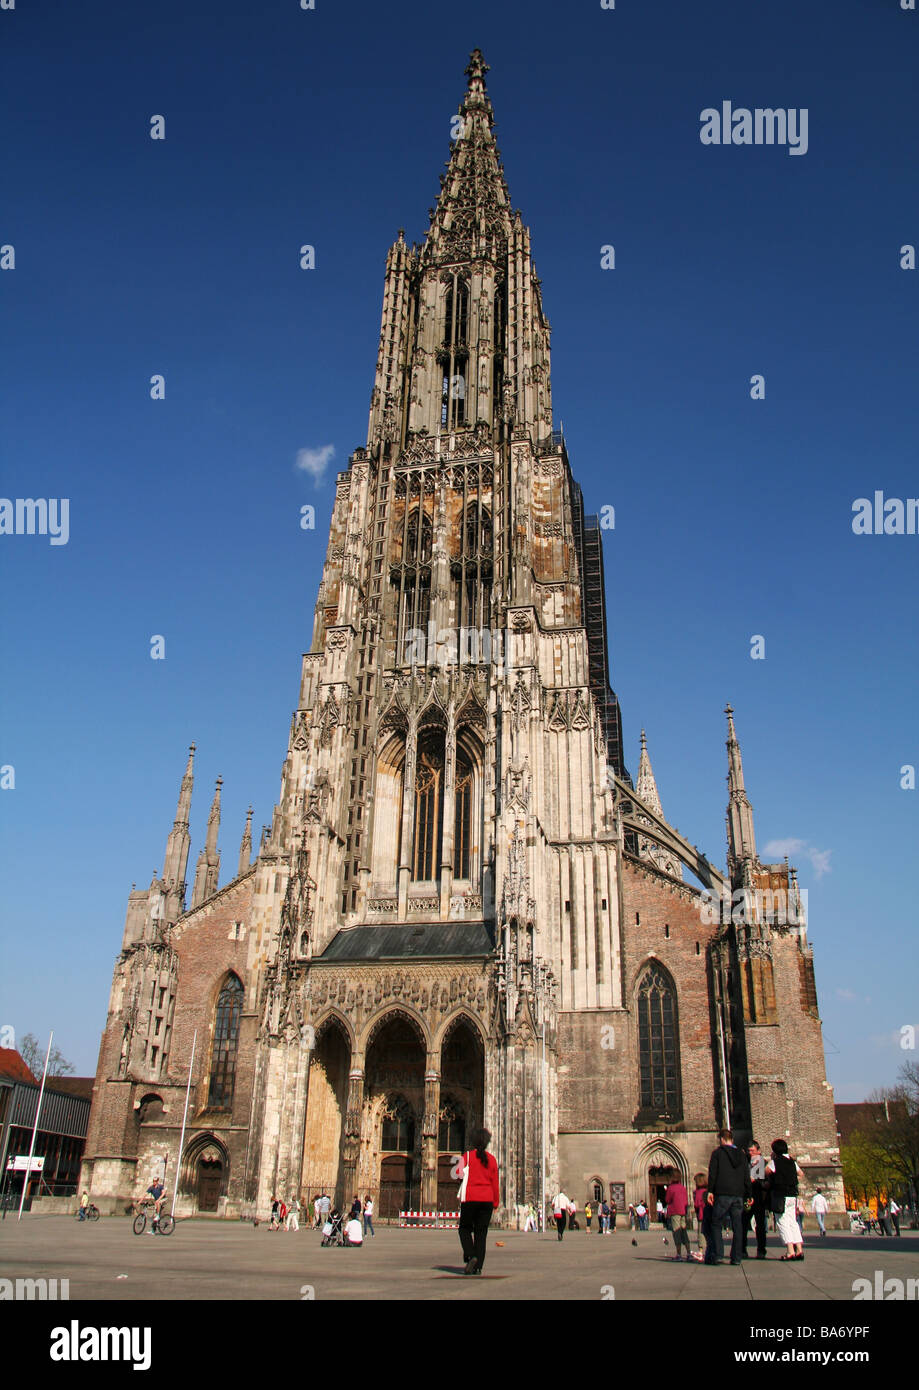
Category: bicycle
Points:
column 160, row 1225
column 90, row 1213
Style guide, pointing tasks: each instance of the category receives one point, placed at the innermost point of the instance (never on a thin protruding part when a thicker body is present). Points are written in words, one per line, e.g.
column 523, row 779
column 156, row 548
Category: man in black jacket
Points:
column 728, row 1186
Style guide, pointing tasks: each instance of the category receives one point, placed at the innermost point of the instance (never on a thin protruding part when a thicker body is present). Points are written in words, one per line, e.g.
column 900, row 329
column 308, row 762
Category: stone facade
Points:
column 462, row 912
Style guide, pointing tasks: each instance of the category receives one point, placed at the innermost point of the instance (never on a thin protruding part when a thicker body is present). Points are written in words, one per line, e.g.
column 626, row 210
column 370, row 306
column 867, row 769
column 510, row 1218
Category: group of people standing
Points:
column 739, row 1189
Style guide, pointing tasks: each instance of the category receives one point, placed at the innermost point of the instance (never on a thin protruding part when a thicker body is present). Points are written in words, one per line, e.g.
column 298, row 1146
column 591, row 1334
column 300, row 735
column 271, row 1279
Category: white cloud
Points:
column 819, row 858
column 314, row 462
column 846, row 994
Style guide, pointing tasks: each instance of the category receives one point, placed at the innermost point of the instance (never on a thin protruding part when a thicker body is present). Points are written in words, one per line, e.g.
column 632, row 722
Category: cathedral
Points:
column 464, row 910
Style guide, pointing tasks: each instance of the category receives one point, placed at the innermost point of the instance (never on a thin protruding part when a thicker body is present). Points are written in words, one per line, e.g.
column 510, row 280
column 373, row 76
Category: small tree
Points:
column 33, row 1054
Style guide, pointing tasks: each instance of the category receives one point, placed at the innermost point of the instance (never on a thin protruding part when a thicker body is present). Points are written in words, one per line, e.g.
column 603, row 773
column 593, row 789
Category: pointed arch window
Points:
column 658, row 1045
column 451, row 1130
column 398, row 1133
column 429, row 810
column 226, row 1044
column 462, row 831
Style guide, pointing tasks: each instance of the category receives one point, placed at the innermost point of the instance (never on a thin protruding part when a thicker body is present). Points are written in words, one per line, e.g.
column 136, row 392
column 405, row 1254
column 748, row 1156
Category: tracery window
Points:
column 658, row 1044
column 451, row 1131
column 226, row 1043
column 462, row 832
column 398, row 1134
column 454, row 354
column 429, row 810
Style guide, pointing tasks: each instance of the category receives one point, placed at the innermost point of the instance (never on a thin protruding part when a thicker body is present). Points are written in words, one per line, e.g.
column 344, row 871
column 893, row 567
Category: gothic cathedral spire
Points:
column 741, row 839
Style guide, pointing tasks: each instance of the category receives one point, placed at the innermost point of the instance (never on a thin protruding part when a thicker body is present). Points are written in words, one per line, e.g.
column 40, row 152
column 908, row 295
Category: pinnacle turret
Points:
column 207, row 870
column 245, row 848
column 741, row 839
column 178, row 843
column 646, row 787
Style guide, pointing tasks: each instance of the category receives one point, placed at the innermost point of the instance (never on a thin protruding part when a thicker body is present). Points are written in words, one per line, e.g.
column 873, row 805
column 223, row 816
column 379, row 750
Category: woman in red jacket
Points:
column 478, row 1199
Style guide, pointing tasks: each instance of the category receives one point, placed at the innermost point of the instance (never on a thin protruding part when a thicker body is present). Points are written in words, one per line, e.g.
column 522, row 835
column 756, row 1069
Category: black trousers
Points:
column 756, row 1218
column 473, row 1229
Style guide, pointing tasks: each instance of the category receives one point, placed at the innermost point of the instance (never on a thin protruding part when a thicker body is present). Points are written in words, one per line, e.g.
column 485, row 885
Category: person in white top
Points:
column 560, row 1212
column 353, row 1233
column 820, row 1207
column 368, row 1215
column 895, row 1215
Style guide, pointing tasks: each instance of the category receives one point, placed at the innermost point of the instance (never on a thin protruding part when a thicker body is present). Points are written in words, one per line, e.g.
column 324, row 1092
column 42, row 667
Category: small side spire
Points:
column 741, row 839
column 646, row 787
column 207, row 870
column 245, row 848
column 178, row 843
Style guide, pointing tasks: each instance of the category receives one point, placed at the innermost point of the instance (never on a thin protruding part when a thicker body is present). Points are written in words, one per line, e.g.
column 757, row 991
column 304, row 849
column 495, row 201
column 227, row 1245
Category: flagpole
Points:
column 25, row 1183
column 175, row 1194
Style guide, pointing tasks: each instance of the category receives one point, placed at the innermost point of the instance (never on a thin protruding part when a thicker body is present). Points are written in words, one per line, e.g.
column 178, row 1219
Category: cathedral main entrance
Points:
column 393, row 1114
column 325, row 1114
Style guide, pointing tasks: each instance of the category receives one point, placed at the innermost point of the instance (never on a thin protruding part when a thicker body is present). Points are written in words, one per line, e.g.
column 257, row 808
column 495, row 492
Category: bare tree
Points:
column 33, row 1054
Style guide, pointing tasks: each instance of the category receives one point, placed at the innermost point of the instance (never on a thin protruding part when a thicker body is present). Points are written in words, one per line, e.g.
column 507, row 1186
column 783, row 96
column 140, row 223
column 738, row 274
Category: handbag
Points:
column 464, row 1182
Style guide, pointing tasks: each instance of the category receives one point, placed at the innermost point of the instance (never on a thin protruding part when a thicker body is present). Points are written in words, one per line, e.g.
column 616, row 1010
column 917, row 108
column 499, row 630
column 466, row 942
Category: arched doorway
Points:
column 656, row 1164
column 326, row 1106
column 393, row 1110
column 210, row 1179
column 462, row 1103
column 205, row 1172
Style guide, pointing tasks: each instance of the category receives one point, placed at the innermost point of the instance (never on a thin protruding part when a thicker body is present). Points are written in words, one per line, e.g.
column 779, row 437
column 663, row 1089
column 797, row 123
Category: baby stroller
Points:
column 333, row 1230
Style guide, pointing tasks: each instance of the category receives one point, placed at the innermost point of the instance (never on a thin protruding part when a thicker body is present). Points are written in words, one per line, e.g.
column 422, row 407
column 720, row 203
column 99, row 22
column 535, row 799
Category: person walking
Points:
column 573, row 1216
column 641, row 1215
column 325, row 1206
column 783, row 1175
column 756, row 1213
column 478, row 1171
column 884, row 1218
column 293, row 1214
column 84, row 1204
column 675, row 1210
column 588, row 1216
column 560, row 1212
column 530, row 1223
column 613, row 1212
column 895, row 1215
column 317, row 1221
column 368, row 1215
column 275, row 1214
column 603, row 1218
column 703, row 1220
column 728, row 1186
column 820, row 1207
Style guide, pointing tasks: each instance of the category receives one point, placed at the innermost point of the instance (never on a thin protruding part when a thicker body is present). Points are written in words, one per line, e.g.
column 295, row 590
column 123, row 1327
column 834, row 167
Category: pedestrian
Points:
column 783, row 1175
column 633, row 1220
column 895, row 1215
column 84, row 1204
column 357, row 1209
column 884, row 1218
column 317, row 1218
column 325, row 1206
column 530, row 1223
column 282, row 1214
column 703, row 1218
column 756, row 1211
column 728, row 1185
column 641, row 1214
column 293, row 1213
column 275, row 1214
column 820, row 1206
column 675, row 1211
column 573, row 1216
column 613, row 1210
column 478, row 1171
column 588, row 1216
column 368, row 1215
column 661, row 1212
column 560, row 1212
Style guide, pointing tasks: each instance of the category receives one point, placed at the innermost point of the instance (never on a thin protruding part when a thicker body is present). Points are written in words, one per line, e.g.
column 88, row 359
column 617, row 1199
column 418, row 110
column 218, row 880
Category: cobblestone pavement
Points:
column 234, row 1260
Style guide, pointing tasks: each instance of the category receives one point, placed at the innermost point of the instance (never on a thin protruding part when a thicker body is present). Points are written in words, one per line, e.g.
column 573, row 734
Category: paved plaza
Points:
column 235, row 1260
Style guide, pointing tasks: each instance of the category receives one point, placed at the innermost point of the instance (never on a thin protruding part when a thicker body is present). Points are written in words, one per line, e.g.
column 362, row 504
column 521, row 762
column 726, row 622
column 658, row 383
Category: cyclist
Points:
column 157, row 1191
column 84, row 1204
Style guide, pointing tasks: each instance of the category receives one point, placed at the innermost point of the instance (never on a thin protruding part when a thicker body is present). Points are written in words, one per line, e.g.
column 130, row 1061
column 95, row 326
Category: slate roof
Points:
column 439, row 940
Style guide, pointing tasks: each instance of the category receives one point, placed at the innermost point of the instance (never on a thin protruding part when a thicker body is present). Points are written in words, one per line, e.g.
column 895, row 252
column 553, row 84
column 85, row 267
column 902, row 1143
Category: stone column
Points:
column 351, row 1139
column 408, row 813
column 429, row 1130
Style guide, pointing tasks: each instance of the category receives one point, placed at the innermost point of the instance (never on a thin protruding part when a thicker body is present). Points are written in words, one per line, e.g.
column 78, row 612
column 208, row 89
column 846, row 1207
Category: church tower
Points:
column 463, row 912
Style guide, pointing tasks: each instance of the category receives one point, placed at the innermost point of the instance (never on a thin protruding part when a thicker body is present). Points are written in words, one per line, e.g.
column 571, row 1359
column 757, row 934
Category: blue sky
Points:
column 733, row 516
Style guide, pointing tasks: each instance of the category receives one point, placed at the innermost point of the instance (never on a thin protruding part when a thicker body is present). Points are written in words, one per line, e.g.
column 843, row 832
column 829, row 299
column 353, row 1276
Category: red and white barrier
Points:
column 438, row 1220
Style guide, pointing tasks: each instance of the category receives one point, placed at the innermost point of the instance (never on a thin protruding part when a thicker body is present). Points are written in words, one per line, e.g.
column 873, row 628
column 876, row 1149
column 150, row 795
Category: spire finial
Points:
column 477, row 67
